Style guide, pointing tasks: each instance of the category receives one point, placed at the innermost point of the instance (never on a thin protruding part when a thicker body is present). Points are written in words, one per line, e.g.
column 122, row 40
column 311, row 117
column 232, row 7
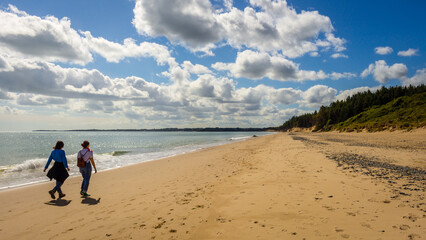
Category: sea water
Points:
column 23, row 155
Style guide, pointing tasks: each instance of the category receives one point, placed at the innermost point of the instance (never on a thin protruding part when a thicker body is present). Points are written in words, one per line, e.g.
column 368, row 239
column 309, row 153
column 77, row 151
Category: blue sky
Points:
column 199, row 63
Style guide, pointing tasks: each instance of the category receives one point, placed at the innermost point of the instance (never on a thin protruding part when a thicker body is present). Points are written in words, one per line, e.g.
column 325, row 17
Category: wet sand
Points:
column 283, row 186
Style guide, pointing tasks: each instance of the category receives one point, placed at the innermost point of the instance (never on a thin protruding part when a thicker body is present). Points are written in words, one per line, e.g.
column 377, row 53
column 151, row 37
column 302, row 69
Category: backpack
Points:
column 80, row 161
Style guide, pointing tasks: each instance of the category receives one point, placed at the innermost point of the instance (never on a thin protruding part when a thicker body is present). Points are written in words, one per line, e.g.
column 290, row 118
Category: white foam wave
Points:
column 31, row 171
column 239, row 138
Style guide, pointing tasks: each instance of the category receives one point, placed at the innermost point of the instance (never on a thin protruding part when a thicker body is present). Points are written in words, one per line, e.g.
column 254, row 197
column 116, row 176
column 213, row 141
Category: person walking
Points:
column 86, row 171
column 59, row 170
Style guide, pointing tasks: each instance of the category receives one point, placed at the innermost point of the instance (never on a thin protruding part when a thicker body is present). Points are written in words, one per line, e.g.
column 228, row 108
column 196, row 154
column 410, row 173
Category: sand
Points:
column 282, row 186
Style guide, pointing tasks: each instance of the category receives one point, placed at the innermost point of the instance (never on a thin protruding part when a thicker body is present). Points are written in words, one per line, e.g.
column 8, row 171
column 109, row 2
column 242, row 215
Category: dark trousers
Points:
column 57, row 188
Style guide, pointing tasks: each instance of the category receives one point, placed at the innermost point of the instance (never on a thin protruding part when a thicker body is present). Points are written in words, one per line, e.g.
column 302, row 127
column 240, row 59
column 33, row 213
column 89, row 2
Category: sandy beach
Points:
column 281, row 186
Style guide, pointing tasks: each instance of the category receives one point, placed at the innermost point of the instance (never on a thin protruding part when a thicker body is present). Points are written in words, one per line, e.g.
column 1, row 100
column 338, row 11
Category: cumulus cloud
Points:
column 195, row 69
column 44, row 38
column 207, row 98
column 408, row 53
column 264, row 25
column 383, row 73
column 258, row 65
column 54, row 40
column 383, row 50
column 285, row 96
column 418, row 79
column 115, row 52
column 190, row 22
column 318, row 95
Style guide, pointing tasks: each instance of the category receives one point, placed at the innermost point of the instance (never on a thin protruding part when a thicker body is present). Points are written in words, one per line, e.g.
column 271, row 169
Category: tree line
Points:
column 339, row 111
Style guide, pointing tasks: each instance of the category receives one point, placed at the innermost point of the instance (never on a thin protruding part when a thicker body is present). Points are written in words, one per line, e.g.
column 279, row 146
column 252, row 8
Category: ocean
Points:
column 24, row 154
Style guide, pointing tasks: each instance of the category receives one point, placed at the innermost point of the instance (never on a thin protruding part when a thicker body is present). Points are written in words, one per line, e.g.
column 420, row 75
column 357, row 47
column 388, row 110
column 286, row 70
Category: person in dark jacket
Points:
column 59, row 170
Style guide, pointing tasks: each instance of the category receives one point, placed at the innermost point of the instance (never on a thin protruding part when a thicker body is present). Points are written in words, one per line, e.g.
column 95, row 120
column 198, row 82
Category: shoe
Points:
column 61, row 195
column 52, row 194
column 86, row 195
column 81, row 193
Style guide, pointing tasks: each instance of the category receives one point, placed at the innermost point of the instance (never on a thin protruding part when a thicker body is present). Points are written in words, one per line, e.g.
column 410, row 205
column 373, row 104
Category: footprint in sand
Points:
column 328, row 208
column 411, row 217
column 404, row 227
column 366, row 225
column 413, row 236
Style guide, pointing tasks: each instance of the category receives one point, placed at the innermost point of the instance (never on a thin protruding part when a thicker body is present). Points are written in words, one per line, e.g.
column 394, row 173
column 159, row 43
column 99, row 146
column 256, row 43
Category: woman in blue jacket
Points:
column 59, row 169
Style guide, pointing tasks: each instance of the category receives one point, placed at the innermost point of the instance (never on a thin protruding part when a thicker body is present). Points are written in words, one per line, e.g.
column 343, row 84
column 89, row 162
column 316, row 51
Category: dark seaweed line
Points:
column 369, row 163
column 303, row 139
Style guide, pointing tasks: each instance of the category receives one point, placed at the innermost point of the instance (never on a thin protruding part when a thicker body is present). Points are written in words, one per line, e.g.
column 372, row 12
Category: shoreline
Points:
column 186, row 151
column 271, row 187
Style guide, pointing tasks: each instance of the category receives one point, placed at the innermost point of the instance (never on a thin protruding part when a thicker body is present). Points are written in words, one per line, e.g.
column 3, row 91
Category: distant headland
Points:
column 215, row 129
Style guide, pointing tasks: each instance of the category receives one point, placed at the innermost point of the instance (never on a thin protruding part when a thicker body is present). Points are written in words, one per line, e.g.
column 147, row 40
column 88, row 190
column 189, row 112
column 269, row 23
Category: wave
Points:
column 240, row 138
column 119, row 153
column 26, row 165
column 31, row 171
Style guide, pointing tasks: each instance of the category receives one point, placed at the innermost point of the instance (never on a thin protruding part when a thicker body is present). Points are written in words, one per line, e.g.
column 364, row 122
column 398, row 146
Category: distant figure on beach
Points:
column 86, row 171
column 59, row 169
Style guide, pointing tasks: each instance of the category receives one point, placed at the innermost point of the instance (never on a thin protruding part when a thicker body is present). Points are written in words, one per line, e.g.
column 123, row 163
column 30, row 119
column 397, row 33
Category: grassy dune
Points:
column 405, row 112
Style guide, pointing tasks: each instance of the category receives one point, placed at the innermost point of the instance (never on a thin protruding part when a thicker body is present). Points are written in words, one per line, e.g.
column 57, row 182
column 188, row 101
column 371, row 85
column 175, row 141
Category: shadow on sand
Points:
column 90, row 201
column 58, row 202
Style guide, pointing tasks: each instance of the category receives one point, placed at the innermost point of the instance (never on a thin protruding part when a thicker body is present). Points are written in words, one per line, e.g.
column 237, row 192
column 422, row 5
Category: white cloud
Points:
column 207, row 99
column 45, row 38
column 187, row 21
column 54, row 40
column 408, row 53
column 383, row 50
column 285, row 96
column 115, row 52
column 383, row 73
column 339, row 55
column 264, row 25
column 314, row 54
column 418, row 79
column 258, row 65
column 195, row 69
column 318, row 95
column 34, row 99
column 337, row 76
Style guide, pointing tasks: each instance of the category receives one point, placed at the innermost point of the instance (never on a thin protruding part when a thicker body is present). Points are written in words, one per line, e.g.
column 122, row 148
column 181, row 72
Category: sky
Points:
column 122, row 64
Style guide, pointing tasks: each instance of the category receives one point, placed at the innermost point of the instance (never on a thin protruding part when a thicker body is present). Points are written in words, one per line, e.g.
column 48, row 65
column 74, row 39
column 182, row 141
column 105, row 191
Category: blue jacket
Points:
column 59, row 156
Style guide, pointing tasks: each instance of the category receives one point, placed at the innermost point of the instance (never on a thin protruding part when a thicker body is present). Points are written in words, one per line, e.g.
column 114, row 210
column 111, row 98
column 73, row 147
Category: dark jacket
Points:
column 58, row 172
